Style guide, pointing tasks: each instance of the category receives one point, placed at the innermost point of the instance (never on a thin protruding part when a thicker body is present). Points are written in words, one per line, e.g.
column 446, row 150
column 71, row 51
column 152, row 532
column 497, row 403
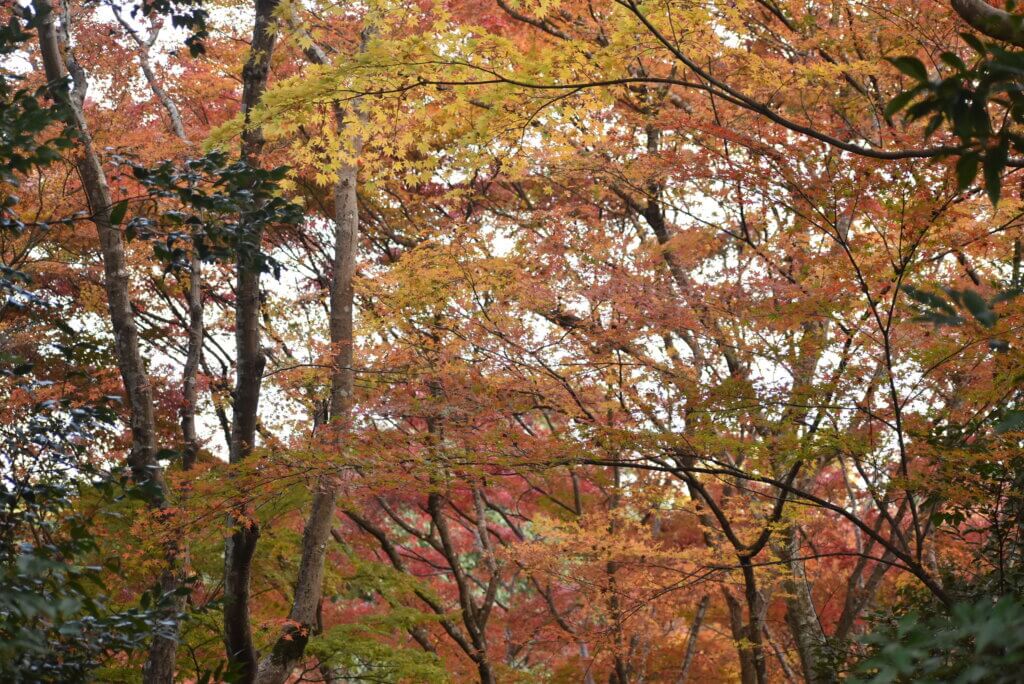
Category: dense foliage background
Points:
column 511, row 341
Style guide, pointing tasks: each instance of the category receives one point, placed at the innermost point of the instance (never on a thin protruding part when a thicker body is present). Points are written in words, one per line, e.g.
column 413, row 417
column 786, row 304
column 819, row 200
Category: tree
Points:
column 602, row 346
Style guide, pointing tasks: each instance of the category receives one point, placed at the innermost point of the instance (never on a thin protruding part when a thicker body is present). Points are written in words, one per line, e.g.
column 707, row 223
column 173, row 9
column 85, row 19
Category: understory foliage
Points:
column 58, row 619
column 511, row 341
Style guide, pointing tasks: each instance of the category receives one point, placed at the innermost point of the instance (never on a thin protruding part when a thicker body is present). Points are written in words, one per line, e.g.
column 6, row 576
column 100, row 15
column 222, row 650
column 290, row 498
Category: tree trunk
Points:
column 691, row 640
column 145, row 45
column 755, row 621
column 58, row 61
column 801, row 615
column 277, row 666
column 190, row 447
column 290, row 646
column 748, row 673
column 475, row 624
column 250, row 361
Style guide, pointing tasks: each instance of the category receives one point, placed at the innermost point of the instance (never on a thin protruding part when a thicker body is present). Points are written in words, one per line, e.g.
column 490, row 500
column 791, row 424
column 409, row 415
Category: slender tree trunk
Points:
column 195, row 350
column 787, row 669
column 177, row 126
column 145, row 45
column 621, row 672
column 858, row 598
column 58, row 62
column 290, row 646
column 755, row 620
column 241, row 545
column 163, row 652
column 801, row 615
column 691, row 640
column 250, row 361
column 476, row 625
column 346, row 219
column 748, row 672
column 194, row 294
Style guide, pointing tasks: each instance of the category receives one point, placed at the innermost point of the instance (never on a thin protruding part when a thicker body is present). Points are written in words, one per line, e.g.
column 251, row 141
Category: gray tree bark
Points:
column 691, row 640
column 195, row 351
column 993, row 22
column 276, row 667
column 250, row 361
column 145, row 45
column 801, row 615
column 59, row 61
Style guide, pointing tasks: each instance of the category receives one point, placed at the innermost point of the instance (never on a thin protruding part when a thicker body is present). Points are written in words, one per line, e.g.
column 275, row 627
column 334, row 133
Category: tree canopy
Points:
column 511, row 341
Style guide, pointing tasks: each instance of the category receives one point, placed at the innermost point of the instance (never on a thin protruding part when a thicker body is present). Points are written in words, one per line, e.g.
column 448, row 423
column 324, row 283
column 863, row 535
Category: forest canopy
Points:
column 511, row 341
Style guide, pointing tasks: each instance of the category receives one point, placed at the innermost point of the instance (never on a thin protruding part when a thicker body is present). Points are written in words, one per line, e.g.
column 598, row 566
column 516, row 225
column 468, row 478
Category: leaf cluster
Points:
column 975, row 642
column 57, row 622
column 951, row 307
column 218, row 205
column 980, row 102
column 26, row 117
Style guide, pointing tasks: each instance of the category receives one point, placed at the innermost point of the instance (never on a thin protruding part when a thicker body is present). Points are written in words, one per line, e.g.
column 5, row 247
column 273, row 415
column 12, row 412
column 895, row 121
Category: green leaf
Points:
column 966, row 170
column 900, row 101
column 978, row 307
column 928, row 299
column 979, row 118
column 973, row 41
column 911, row 66
column 1006, row 295
column 940, row 319
column 1011, row 422
column 993, row 165
column 117, row 212
column 953, row 61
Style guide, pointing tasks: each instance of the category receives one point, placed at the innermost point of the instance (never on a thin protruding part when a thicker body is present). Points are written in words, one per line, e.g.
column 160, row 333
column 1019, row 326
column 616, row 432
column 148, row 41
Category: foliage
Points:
column 26, row 142
column 975, row 642
column 188, row 15
column 58, row 620
column 357, row 651
column 945, row 310
column 217, row 204
column 25, row 119
column 647, row 355
column 979, row 99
